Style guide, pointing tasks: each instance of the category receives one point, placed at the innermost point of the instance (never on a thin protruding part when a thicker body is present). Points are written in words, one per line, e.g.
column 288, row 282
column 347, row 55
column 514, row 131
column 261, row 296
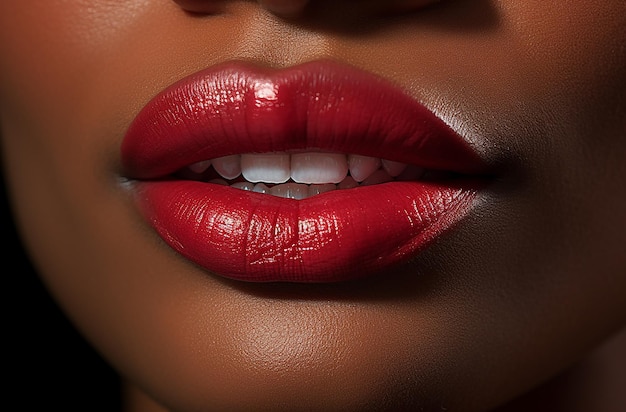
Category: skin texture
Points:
column 530, row 284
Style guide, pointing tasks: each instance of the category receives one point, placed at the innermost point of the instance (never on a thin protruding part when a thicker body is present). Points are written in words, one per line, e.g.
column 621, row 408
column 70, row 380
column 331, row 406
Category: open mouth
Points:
column 315, row 173
column 303, row 174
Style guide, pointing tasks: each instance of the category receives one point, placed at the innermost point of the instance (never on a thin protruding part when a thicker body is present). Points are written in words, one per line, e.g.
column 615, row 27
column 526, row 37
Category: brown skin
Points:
column 530, row 284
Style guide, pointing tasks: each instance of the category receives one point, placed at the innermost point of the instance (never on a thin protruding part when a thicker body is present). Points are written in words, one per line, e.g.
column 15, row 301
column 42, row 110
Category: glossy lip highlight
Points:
column 323, row 105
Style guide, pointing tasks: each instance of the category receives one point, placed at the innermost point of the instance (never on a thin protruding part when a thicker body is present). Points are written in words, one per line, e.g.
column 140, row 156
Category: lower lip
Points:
column 336, row 236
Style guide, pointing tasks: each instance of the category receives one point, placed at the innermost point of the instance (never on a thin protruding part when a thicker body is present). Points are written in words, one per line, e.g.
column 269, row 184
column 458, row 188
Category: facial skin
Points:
column 529, row 283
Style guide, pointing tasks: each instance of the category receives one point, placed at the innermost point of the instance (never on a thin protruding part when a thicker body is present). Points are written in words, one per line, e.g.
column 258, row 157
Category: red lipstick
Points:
column 239, row 108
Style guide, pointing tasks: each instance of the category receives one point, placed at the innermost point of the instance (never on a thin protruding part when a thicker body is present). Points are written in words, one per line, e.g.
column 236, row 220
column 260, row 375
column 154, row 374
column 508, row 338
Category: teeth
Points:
column 376, row 178
column 318, row 168
column 219, row 182
column 229, row 167
column 261, row 188
column 291, row 191
column 318, row 189
column 362, row 166
column 243, row 186
column 200, row 167
column 268, row 168
column 310, row 173
column 393, row 168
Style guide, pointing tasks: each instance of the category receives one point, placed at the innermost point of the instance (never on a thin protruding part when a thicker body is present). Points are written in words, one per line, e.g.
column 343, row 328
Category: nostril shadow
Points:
column 351, row 18
column 364, row 17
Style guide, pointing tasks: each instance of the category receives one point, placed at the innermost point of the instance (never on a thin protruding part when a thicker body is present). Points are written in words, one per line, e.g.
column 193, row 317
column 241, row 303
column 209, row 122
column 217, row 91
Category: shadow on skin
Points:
column 410, row 281
column 356, row 18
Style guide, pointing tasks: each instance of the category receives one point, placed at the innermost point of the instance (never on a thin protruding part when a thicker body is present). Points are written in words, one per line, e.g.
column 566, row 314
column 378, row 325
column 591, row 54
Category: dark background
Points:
column 47, row 364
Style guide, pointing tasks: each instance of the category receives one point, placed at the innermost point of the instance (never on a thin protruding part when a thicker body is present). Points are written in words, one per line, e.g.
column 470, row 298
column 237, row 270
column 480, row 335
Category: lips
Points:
column 321, row 106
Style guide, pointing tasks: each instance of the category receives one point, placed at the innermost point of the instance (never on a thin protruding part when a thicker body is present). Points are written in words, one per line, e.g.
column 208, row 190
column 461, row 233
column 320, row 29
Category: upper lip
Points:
column 239, row 108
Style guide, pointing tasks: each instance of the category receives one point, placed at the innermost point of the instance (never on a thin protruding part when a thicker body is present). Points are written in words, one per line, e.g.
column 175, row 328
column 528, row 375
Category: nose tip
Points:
column 284, row 7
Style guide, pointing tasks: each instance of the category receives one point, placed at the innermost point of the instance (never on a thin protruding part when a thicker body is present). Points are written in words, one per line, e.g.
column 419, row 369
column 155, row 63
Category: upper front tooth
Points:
column 229, row 167
column 266, row 167
column 318, row 168
column 362, row 166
